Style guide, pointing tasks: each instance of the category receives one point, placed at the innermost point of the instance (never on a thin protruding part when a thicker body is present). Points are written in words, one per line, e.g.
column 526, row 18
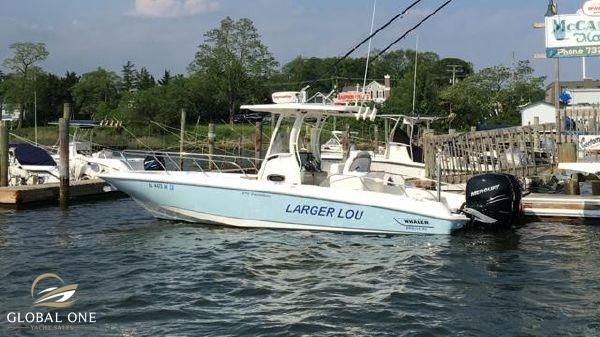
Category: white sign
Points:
column 591, row 8
column 283, row 97
column 589, row 143
column 573, row 35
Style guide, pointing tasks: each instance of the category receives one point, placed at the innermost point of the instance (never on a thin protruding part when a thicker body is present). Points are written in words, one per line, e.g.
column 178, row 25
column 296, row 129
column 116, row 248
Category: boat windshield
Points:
column 281, row 141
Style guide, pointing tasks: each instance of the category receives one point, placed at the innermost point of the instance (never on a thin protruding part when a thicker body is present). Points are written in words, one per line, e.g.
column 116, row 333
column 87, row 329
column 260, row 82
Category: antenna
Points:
column 369, row 47
column 415, row 77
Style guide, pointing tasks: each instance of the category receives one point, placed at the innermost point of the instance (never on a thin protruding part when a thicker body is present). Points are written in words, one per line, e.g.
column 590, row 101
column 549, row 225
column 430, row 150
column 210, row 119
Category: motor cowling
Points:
column 493, row 200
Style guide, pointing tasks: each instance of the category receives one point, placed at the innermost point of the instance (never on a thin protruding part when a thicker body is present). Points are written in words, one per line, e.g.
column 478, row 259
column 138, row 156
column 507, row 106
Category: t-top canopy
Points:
column 315, row 109
column 28, row 154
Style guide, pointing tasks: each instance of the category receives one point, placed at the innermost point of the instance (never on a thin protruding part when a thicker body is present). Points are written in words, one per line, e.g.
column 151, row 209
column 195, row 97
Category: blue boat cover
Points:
column 28, row 154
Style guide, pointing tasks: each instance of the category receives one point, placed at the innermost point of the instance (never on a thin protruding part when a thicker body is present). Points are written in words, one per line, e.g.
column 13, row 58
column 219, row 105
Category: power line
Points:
column 412, row 29
column 394, row 18
column 324, row 80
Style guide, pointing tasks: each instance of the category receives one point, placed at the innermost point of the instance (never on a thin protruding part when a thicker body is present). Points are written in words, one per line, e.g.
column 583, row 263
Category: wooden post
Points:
column 211, row 145
column 258, row 142
column 386, row 131
column 375, row 139
column 429, row 154
column 3, row 154
column 346, row 143
column 63, row 152
column 181, row 139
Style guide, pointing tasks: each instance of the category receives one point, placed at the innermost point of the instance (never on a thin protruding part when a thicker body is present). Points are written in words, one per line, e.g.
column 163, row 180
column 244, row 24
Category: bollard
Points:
column 181, row 139
column 3, row 154
column 63, row 152
column 211, row 145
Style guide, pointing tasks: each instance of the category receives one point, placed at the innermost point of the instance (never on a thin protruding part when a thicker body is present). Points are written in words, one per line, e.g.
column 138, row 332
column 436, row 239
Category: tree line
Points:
column 232, row 66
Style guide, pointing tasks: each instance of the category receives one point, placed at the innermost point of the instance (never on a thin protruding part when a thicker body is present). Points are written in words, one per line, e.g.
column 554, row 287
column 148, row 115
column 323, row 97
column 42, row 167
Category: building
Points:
column 543, row 110
column 373, row 91
column 582, row 92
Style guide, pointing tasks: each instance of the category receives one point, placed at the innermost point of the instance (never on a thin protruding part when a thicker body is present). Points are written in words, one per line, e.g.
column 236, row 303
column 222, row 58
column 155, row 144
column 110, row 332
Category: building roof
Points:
column 588, row 83
column 531, row 105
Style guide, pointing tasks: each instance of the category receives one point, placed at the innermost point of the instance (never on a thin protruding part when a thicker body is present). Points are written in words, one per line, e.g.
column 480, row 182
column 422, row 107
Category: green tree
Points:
column 493, row 94
column 25, row 56
column 234, row 62
column 96, row 93
column 165, row 79
column 145, row 80
column 130, row 77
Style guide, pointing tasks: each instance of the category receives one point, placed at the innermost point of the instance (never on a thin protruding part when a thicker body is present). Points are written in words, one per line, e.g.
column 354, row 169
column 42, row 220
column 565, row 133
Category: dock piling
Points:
column 211, row 145
column 3, row 154
column 181, row 139
column 346, row 143
column 63, row 152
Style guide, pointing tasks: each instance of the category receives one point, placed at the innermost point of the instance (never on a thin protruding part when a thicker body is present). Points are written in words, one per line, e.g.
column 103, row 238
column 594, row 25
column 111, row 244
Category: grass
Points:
column 153, row 136
column 150, row 137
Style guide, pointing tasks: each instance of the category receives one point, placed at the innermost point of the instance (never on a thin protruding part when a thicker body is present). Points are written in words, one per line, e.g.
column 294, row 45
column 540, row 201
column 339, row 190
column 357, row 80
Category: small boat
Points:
column 30, row 165
column 84, row 163
column 291, row 191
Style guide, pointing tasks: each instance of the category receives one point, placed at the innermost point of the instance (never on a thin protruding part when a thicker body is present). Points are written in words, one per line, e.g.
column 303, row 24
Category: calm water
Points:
column 145, row 277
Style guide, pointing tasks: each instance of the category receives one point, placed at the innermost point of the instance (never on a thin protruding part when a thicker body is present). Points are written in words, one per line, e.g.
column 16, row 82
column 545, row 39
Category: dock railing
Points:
column 178, row 161
column 521, row 151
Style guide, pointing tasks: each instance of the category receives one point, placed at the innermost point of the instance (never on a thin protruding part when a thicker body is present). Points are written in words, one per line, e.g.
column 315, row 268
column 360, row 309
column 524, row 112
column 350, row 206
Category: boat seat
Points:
column 313, row 178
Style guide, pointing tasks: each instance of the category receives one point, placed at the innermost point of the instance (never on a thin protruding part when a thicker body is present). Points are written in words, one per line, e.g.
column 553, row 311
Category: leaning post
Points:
column 3, row 154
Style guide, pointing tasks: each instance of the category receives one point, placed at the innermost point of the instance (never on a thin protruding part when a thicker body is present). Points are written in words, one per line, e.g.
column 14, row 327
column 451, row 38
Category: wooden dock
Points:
column 48, row 193
column 568, row 207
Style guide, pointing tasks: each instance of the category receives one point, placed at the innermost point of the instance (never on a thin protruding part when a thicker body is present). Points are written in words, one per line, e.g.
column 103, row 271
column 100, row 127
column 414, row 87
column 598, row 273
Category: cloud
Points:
column 173, row 8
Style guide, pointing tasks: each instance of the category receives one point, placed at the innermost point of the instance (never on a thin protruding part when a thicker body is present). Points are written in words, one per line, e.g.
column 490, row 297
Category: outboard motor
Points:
column 493, row 200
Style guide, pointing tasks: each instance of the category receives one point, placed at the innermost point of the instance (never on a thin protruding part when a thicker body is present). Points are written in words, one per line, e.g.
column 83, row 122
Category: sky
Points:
column 82, row 35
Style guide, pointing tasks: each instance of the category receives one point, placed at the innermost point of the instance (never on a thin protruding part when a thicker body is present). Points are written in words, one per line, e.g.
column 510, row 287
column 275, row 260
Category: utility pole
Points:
column 454, row 69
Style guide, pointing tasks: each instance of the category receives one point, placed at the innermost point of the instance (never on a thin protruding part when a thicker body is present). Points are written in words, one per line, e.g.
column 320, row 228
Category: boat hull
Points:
column 275, row 209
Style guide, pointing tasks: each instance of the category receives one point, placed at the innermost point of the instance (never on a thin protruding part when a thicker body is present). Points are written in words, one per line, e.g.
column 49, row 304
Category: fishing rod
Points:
column 412, row 29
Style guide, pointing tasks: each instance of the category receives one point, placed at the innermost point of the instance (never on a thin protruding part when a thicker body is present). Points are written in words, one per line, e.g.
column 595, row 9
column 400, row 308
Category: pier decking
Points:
column 48, row 193
column 569, row 207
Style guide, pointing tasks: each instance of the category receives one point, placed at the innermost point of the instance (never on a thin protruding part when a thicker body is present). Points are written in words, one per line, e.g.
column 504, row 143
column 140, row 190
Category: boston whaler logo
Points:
column 53, row 297
column 414, row 225
column 54, row 294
